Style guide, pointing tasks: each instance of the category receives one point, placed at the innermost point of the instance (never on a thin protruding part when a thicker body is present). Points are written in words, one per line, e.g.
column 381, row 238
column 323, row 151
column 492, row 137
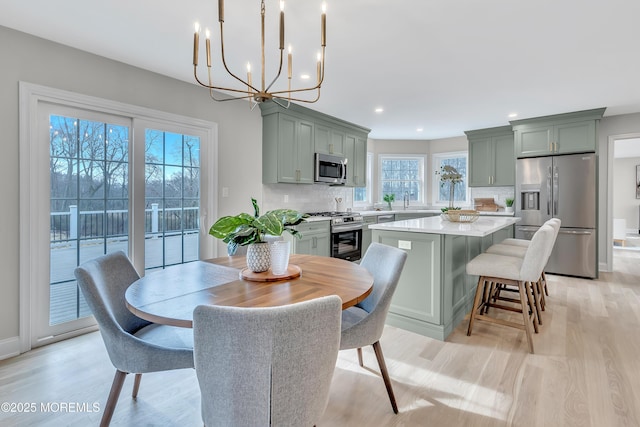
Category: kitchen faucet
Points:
column 406, row 199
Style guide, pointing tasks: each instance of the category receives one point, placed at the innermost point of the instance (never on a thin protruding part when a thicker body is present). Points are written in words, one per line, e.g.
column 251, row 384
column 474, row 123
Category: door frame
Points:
column 30, row 96
column 609, row 220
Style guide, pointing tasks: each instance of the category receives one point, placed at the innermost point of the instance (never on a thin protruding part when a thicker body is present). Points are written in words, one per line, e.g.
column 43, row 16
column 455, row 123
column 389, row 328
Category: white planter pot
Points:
column 508, row 209
column 258, row 257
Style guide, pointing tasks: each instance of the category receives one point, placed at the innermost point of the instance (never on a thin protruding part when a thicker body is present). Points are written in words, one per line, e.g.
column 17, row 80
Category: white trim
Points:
column 30, row 95
column 9, row 347
column 368, row 182
column 423, row 190
column 608, row 263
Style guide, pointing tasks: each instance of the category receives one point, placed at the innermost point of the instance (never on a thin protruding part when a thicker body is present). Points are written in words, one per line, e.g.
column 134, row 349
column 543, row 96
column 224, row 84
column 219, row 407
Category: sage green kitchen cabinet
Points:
column 356, row 155
column 329, row 140
column 291, row 136
column 491, row 157
column 413, row 215
column 366, row 233
column 287, row 149
column 315, row 238
column 434, row 293
column 559, row 134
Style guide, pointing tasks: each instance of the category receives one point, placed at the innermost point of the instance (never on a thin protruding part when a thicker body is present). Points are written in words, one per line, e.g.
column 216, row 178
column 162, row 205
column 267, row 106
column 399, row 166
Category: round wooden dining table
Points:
column 169, row 296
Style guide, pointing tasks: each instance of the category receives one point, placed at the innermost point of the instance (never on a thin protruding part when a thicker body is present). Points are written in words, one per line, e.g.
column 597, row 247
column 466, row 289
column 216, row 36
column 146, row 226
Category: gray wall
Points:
column 34, row 60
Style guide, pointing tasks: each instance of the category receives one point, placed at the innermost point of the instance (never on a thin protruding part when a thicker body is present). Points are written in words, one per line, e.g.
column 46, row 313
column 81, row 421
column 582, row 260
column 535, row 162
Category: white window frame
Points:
column 436, row 159
column 422, row 174
column 368, row 182
column 34, row 196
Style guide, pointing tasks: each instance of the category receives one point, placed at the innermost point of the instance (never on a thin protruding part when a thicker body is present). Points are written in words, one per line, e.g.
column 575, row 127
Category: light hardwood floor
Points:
column 586, row 372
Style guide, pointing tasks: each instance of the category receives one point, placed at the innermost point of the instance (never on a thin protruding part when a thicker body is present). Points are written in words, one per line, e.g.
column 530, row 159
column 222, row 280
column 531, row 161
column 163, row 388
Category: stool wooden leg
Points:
column 476, row 303
column 544, row 279
column 543, row 301
column 536, row 301
column 532, row 307
column 525, row 314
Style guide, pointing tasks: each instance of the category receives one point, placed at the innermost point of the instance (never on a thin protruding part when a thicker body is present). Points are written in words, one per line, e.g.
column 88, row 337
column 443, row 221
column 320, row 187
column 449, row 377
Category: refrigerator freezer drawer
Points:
column 574, row 253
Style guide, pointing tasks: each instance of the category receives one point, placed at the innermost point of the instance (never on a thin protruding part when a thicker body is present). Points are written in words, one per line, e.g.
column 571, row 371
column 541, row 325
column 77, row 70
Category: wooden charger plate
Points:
column 292, row 272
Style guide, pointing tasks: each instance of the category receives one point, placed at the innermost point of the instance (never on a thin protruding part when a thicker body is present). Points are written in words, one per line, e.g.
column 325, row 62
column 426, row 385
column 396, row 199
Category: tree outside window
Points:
column 400, row 175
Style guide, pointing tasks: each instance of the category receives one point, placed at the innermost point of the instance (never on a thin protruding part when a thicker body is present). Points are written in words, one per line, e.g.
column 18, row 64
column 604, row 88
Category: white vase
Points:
column 258, row 257
column 280, row 256
column 508, row 209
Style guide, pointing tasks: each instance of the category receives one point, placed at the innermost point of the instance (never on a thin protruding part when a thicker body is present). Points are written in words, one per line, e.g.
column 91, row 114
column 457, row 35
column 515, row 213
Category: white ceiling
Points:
column 445, row 66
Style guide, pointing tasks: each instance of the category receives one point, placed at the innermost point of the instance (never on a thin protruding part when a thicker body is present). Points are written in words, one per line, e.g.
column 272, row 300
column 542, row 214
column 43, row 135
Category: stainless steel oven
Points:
column 346, row 241
column 346, row 234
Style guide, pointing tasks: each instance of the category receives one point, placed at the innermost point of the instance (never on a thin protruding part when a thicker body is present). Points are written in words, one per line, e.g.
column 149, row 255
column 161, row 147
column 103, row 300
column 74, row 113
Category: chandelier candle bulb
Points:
column 208, row 47
column 323, row 36
column 281, row 24
column 319, row 66
column 196, row 41
column 289, row 64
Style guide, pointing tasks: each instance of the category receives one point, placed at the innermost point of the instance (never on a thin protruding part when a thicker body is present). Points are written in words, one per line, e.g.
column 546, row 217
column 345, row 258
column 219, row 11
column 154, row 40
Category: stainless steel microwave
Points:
column 330, row 169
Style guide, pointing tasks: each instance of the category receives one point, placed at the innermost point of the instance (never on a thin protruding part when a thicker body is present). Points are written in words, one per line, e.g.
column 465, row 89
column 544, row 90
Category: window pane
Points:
column 400, row 176
column 172, row 198
column 88, row 204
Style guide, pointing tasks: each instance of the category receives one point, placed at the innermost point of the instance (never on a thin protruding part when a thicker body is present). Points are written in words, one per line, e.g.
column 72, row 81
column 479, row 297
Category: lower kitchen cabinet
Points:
column 435, row 293
column 315, row 239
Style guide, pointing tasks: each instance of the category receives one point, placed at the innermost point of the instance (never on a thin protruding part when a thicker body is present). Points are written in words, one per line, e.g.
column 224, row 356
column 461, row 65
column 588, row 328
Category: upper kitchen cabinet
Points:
column 559, row 134
column 330, row 141
column 491, row 157
column 356, row 154
column 291, row 136
column 287, row 149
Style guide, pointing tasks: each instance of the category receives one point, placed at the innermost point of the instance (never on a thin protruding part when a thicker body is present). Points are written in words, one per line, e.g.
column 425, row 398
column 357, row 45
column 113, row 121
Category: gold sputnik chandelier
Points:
column 247, row 90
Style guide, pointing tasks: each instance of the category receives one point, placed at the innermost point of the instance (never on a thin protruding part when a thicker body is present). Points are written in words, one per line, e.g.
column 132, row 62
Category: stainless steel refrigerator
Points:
column 562, row 187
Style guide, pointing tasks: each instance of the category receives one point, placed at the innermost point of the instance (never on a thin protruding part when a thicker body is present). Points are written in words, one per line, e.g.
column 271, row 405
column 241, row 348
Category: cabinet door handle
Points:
column 551, row 146
column 330, row 148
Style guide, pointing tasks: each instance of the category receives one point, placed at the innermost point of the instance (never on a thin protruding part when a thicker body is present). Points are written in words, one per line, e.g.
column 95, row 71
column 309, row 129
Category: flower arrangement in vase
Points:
column 449, row 175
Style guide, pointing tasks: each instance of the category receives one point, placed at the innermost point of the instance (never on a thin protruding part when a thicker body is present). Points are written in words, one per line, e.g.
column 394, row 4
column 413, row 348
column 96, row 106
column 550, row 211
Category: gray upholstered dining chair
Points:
column 266, row 366
column 134, row 345
column 363, row 323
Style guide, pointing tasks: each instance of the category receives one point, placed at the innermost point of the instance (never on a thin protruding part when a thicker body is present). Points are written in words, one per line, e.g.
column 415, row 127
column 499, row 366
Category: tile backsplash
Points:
column 305, row 198
column 499, row 194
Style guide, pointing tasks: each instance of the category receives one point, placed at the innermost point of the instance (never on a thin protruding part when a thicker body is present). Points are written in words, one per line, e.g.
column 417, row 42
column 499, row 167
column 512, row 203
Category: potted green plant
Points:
column 389, row 198
column 508, row 204
column 249, row 230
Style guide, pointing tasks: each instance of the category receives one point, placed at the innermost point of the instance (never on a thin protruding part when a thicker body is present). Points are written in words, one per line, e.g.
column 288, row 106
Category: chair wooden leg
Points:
column 136, row 386
column 531, row 307
column 536, row 301
column 544, row 279
column 543, row 300
column 360, row 356
column 476, row 303
column 525, row 314
column 385, row 375
column 112, row 400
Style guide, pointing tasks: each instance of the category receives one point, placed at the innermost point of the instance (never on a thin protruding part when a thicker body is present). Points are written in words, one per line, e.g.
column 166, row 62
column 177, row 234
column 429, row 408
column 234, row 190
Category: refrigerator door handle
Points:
column 576, row 233
column 549, row 191
column 556, row 189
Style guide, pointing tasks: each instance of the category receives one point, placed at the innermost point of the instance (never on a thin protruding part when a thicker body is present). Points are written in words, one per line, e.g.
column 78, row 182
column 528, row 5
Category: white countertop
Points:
column 436, row 225
column 426, row 211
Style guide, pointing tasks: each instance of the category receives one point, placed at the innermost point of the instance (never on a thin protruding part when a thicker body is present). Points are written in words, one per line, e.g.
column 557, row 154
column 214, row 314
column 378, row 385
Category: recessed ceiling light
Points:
column 379, row 110
column 513, row 115
column 419, row 130
column 305, row 76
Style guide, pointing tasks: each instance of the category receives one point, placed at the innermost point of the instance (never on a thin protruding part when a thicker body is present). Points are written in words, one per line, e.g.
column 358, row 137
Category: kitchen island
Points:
column 435, row 293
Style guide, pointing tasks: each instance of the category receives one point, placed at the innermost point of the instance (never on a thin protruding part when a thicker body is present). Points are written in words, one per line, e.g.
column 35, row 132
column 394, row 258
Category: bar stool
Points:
column 517, row 247
column 515, row 271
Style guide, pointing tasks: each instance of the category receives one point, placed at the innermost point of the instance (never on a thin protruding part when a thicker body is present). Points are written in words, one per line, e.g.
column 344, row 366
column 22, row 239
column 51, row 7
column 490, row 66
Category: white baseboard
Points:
column 9, row 347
